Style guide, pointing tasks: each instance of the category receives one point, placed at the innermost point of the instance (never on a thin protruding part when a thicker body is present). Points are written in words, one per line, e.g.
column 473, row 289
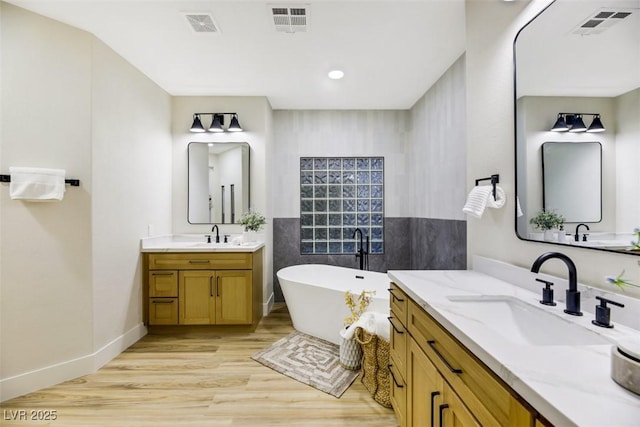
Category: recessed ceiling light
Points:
column 336, row 74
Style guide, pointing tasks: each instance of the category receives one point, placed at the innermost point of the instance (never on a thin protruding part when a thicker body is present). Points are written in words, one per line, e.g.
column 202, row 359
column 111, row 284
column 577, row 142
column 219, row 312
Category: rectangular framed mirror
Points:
column 572, row 180
column 219, row 190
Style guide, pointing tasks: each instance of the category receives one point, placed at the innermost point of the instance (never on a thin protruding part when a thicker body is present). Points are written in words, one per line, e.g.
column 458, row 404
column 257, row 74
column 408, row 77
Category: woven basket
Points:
column 375, row 366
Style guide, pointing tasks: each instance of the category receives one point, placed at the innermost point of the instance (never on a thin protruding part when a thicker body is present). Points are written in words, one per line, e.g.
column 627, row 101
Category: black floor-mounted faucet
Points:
column 217, row 233
column 573, row 296
column 363, row 253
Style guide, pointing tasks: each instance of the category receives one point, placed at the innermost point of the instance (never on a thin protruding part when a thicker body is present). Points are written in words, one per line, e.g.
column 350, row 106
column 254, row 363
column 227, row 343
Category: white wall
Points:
column 254, row 114
column 46, row 302
column 131, row 192
column 491, row 28
column 343, row 133
column 437, row 160
column 627, row 160
column 70, row 294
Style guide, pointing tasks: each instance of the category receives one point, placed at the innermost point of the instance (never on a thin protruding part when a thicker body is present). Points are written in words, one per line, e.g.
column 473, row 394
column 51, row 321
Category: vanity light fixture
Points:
column 573, row 122
column 578, row 124
column 217, row 123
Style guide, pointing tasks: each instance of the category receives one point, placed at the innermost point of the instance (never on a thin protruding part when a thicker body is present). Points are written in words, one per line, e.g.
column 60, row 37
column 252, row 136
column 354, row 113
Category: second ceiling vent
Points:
column 600, row 21
column 289, row 18
column 201, row 23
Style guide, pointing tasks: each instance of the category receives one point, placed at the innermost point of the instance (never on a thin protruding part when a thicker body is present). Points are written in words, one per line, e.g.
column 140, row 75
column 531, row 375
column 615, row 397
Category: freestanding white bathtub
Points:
column 314, row 294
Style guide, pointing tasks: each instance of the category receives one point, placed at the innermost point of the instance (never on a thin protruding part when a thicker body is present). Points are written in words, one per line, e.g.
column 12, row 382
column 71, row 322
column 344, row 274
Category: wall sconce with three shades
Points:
column 573, row 122
column 217, row 123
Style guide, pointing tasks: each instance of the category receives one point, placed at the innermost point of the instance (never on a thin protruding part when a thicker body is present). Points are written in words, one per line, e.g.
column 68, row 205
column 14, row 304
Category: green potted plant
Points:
column 547, row 221
column 252, row 221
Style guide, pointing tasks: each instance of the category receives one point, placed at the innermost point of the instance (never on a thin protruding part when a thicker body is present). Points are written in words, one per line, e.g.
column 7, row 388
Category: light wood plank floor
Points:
column 199, row 380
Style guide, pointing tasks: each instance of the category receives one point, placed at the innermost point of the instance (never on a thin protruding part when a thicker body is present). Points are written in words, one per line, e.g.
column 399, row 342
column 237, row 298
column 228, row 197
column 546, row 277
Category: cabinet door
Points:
column 233, row 297
column 425, row 388
column 454, row 413
column 163, row 311
column 398, row 393
column 196, row 289
column 398, row 344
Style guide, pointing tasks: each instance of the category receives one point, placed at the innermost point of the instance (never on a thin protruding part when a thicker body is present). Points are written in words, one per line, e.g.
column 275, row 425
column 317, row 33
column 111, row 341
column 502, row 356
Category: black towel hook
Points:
column 495, row 178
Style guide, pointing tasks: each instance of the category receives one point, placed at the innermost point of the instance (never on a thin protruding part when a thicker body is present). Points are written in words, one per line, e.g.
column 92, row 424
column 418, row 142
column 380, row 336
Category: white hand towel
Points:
column 518, row 208
column 372, row 322
column 500, row 199
column 36, row 184
column 477, row 200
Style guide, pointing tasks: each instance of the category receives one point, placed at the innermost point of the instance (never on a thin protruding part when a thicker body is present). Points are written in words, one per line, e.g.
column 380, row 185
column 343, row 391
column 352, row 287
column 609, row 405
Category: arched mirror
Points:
column 577, row 97
column 218, row 182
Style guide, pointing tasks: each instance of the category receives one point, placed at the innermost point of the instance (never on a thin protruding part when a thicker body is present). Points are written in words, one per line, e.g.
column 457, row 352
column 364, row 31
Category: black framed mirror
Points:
column 219, row 184
column 580, row 60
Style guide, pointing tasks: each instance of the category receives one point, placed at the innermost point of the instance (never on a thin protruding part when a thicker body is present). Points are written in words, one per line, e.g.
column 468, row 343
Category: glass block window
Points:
column 338, row 195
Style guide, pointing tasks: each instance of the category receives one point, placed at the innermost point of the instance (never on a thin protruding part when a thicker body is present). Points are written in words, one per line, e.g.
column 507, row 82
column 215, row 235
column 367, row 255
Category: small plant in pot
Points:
column 252, row 222
column 547, row 221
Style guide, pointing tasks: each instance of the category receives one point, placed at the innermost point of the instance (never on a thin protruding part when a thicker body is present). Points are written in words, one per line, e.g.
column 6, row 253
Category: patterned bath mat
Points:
column 310, row 360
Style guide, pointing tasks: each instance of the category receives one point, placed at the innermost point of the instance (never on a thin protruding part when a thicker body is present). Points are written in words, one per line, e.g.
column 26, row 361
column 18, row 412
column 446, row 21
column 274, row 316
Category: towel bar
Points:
column 494, row 180
column 71, row 182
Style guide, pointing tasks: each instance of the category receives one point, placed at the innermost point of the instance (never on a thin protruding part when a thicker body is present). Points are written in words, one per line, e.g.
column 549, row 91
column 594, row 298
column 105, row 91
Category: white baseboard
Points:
column 55, row 374
column 266, row 307
column 109, row 351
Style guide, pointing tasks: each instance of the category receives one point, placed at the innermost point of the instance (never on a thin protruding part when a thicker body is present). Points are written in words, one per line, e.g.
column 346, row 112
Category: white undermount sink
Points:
column 208, row 245
column 523, row 323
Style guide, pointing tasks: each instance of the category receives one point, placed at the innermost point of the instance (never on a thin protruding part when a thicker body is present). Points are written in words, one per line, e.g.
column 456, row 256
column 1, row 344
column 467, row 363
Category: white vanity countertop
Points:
column 568, row 384
column 194, row 243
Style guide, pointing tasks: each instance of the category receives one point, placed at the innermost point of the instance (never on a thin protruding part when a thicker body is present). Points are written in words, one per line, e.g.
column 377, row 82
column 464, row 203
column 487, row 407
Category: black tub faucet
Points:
column 217, row 233
column 576, row 236
column 363, row 253
column 573, row 296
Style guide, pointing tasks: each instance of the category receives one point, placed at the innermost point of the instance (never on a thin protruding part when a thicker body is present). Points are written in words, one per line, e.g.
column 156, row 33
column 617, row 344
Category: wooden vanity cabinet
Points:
column 204, row 288
column 440, row 381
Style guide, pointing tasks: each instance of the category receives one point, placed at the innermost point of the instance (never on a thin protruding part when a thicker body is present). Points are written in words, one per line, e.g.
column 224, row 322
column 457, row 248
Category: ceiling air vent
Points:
column 600, row 21
column 201, row 23
column 290, row 19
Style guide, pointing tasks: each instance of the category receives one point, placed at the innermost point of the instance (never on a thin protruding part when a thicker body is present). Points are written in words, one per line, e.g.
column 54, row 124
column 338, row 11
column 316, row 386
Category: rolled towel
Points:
column 500, row 199
column 477, row 200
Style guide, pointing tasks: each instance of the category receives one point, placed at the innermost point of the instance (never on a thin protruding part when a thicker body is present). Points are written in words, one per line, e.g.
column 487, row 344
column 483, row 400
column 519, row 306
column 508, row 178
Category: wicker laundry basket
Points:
column 375, row 366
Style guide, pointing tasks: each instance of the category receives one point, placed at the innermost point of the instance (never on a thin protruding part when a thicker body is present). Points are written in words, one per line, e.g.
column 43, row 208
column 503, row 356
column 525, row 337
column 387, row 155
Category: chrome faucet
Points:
column 576, row 236
column 217, row 233
column 572, row 295
column 363, row 253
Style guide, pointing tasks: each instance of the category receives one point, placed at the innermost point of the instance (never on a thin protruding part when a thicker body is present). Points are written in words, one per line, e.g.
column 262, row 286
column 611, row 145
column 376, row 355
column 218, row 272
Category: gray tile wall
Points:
column 410, row 243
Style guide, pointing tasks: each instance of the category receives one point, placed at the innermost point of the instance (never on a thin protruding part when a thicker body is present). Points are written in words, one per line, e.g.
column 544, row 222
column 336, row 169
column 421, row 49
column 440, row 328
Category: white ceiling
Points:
column 552, row 60
column 391, row 51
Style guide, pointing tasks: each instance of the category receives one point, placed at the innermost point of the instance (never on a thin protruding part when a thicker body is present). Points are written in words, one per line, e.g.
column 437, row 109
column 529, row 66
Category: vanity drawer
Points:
column 398, row 344
column 163, row 283
column 163, row 311
column 483, row 392
column 398, row 393
column 398, row 301
column 201, row 261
